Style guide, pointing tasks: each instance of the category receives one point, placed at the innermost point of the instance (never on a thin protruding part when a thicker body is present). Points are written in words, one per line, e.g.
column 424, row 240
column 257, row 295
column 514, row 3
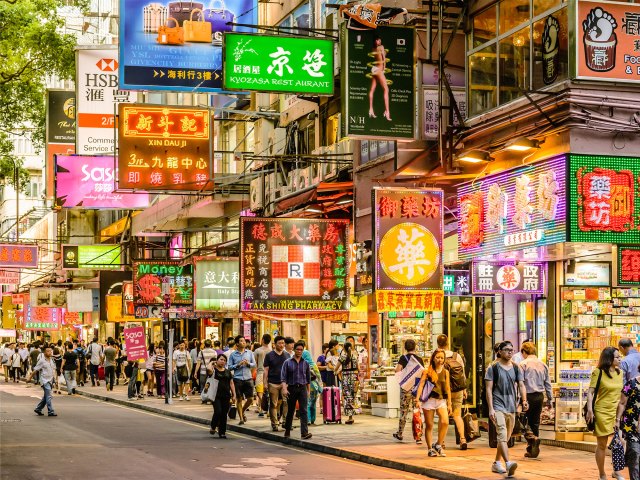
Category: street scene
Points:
column 304, row 239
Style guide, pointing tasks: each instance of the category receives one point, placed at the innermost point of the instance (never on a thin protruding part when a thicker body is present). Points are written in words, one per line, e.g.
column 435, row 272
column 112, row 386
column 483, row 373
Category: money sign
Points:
column 149, row 288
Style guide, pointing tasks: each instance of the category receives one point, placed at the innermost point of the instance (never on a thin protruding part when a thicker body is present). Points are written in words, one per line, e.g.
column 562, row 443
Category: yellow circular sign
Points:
column 409, row 254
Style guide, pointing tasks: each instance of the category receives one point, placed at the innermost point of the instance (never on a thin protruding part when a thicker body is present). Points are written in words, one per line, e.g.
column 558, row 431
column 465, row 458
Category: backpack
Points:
column 457, row 377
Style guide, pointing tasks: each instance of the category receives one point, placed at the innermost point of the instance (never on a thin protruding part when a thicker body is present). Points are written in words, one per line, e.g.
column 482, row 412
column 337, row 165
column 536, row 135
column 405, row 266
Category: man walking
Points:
column 454, row 363
column 95, row 353
column 24, row 357
column 110, row 354
column 241, row 362
column 260, row 353
column 34, row 354
column 631, row 360
column 47, row 368
column 296, row 380
column 536, row 381
column 82, row 362
column 407, row 399
column 70, row 368
column 503, row 380
column 272, row 377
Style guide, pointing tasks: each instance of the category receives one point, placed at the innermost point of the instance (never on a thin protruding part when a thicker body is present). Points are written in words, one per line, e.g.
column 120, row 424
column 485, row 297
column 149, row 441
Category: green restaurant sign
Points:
column 269, row 63
column 95, row 257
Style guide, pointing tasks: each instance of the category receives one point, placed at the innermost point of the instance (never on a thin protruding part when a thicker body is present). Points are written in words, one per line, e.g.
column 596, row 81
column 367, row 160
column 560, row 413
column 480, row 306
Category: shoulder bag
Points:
column 197, row 31
column 591, row 426
column 170, row 35
column 181, row 11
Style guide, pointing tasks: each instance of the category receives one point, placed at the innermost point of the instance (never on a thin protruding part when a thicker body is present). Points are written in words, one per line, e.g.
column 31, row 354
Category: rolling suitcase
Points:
column 331, row 405
column 100, row 372
column 493, row 437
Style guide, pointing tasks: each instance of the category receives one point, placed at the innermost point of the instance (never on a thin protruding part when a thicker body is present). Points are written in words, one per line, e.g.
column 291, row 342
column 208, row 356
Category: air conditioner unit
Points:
column 262, row 129
column 303, row 178
column 275, row 186
column 277, row 141
column 255, row 194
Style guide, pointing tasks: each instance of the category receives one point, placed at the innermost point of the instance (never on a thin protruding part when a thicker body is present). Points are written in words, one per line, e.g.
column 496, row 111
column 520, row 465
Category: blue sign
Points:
column 177, row 46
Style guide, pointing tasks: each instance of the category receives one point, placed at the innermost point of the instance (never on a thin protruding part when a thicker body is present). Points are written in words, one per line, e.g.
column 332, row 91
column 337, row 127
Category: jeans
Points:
column 220, row 411
column 46, row 399
column 93, row 371
column 132, row 382
column 406, row 409
column 70, row 379
column 110, row 376
column 160, row 381
column 297, row 393
column 632, row 456
column 311, row 410
column 535, row 400
column 275, row 396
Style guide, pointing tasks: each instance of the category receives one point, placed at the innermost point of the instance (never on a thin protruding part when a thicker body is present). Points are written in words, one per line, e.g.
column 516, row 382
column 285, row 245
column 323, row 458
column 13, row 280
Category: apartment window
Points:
column 33, row 190
column 528, row 50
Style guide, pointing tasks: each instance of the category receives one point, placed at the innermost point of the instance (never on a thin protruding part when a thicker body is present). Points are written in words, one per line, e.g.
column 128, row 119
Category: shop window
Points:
column 482, row 80
column 540, row 6
column 514, row 65
column 551, row 49
column 484, row 26
column 513, row 13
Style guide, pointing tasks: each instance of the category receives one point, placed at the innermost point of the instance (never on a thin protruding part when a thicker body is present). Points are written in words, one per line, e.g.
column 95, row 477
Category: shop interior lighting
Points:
column 522, row 144
column 474, row 156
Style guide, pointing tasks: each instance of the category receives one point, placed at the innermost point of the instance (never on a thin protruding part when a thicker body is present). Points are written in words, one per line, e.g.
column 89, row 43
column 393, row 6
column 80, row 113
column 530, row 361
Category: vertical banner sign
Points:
column 505, row 277
column 217, row 285
column 8, row 312
column 172, row 45
column 97, row 94
column 136, row 344
column 61, row 131
column 628, row 265
column 294, row 265
column 164, row 149
column 148, row 278
column 111, row 283
column 432, row 111
column 379, row 85
column 408, row 236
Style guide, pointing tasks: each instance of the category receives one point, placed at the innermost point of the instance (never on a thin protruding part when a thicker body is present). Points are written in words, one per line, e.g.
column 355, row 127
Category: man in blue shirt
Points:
column 296, row 380
column 241, row 362
column 631, row 360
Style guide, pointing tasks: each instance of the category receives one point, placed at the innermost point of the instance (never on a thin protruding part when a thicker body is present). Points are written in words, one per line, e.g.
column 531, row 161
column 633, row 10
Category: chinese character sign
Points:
column 267, row 63
column 628, row 265
column 409, row 300
column 148, row 279
column 164, row 149
column 217, row 285
column 471, row 218
column 291, row 264
column 43, row 318
column 152, row 58
column 432, row 111
column 608, row 41
column 501, row 277
column 135, row 343
column 408, row 229
column 17, row 255
column 457, row 282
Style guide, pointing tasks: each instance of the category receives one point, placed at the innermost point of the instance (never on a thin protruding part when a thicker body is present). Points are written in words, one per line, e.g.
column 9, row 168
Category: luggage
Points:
column 154, row 16
column 493, row 437
column 331, row 412
column 100, row 372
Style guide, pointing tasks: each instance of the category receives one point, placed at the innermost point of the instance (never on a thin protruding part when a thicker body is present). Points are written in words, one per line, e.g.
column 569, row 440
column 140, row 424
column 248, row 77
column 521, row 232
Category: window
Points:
column 482, row 80
column 514, row 65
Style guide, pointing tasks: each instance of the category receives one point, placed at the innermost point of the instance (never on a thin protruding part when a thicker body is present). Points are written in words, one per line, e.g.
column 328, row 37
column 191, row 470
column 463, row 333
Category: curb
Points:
column 327, row 450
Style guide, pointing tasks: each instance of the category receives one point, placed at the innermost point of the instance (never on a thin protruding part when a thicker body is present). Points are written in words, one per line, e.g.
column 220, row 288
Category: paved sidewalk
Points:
column 369, row 440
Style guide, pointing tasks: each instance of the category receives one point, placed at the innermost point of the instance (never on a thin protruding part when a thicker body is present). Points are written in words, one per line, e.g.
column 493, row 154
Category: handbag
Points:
column 210, row 389
column 170, row 35
column 233, row 411
column 617, row 452
column 409, row 377
column 183, row 373
column 426, row 391
column 591, row 426
column 181, row 11
column 197, row 30
column 154, row 15
column 520, row 424
column 471, row 426
column 218, row 18
column 416, row 425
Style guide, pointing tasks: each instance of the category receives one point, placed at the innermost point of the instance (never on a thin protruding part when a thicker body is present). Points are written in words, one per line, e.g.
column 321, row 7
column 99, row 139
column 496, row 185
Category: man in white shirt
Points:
column 7, row 352
column 95, row 354
column 47, row 368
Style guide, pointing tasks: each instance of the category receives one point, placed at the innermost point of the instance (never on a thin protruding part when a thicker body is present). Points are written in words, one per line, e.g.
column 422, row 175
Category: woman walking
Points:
column 628, row 416
column 225, row 394
column 438, row 401
column 160, row 370
column 149, row 373
column 608, row 379
column 315, row 387
column 331, row 361
column 348, row 365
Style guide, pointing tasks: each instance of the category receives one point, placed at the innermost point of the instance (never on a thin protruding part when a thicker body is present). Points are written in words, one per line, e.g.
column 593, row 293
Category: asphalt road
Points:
column 91, row 440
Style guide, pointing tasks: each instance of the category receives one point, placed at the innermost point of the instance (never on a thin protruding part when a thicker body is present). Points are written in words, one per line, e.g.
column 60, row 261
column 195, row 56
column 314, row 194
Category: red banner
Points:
column 135, row 343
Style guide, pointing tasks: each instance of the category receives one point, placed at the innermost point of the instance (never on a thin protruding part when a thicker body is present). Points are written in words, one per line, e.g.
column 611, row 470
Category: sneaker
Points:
column 432, row 453
column 141, row 396
column 186, row 397
column 275, row 429
column 212, row 431
column 52, row 414
column 261, row 415
column 241, row 421
column 438, row 448
column 182, row 398
column 397, row 436
column 511, row 468
column 131, row 399
column 497, row 467
column 40, row 414
column 463, row 446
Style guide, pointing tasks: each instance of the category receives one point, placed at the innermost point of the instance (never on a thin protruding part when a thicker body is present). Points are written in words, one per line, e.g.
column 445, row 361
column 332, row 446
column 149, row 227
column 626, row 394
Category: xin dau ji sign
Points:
column 502, row 277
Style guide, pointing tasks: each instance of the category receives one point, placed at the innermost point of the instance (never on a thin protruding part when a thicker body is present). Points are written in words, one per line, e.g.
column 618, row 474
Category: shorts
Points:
column 434, row 404
column 260, row 382
column 504, row 425
column 457, row 398
column 244, row 388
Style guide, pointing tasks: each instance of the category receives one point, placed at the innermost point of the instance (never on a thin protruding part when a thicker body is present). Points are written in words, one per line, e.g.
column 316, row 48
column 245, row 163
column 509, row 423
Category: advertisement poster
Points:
column 148, row 278
column 85, row 181
column 96, row 257
column 177, row 45
column 8, row 312
column 164, row 149
column 294, row 264
column 502, row 277
column 48, row 297
column 9, row 277
column 378, row 71
column 217, row 285
column 97, row 93
column 135, row 343
column 61, row 116
column 111, row 283
column 589, row 274
column 607, row 41
column 274, row 63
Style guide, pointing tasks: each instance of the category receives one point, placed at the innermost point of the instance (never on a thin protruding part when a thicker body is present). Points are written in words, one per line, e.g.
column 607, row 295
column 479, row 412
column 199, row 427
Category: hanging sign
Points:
column 9, row 277
column 628, row 265
column 457, row 282
column 42, row 318
column 501, row 277
column 148, row 278
column 97, row 257
column 17, row 255
column 217, row 285
column 48, row 297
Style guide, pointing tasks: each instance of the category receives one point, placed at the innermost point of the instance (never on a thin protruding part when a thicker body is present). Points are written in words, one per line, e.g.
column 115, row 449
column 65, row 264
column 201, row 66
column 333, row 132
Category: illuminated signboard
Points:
column 164, row 149
column 408, row 239
column 603, row 193
column 294, row 264
column 457, row 282
column 97, row 257
column 523, row 207
column 589, row 274
column 503, row 277
column 148, row 278
column 42, row 318
column 628, row 265
column 17, row 255
column 274, row 63
column 217, row 285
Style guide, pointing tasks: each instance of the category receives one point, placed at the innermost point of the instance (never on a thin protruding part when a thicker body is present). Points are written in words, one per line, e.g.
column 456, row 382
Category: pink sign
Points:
column 89, row 182
column 8, row 277
column 135, row 343
column 42, row 318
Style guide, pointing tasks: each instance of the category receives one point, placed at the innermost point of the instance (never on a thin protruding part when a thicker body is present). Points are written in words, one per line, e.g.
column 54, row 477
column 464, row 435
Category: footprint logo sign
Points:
column 600, row 40
column 550, row 48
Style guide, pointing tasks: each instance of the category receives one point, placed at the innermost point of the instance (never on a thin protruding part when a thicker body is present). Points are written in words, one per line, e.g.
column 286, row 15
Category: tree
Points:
column 31, row 49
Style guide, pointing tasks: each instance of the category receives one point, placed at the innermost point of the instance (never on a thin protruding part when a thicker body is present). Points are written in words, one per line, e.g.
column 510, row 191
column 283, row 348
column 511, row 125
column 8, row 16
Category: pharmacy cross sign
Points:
column 266, row 63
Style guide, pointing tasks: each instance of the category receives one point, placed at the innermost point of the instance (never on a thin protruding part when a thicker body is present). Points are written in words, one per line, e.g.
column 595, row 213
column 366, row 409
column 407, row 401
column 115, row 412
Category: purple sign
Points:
column 89, row 182
column 18, row 255
column 507, row 277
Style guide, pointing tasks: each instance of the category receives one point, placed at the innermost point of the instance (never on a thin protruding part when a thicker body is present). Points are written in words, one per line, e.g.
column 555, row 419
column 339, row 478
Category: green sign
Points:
column 379, row 85
column 267, row 63
column 604, row 199
column 95, row 257
column 217, row 285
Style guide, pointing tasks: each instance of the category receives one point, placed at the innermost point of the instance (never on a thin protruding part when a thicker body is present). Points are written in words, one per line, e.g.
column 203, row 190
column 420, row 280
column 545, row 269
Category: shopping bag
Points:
column 416, row 425
column 209, row 390
column 197, row 31
column 426, row 391
column 409, row 376
column 170, row 35
column 471, row 426
column 617, row 452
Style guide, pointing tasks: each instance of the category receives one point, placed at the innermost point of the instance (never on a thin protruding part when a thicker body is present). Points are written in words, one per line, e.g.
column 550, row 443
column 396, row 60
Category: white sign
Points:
column 588, row 274
column 80, row 300
column 8, row 277
column 432, row 114
column 97, row 95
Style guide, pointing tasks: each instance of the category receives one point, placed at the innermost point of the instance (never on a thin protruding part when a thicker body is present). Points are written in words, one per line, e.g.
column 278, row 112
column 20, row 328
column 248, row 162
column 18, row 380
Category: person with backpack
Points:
column 82, row 362
column 407, row 397
column 455, row 365
column 70, row 368
column 504, row 384
column 95, row 355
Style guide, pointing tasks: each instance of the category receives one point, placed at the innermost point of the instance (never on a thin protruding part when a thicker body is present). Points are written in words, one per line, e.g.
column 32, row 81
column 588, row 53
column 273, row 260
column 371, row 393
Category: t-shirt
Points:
column 33, row 355
column 260, row 354
column 94, row 351
column 70, row 360
column 158, row 362
column 16, row 361
column 109, row 356
column 224, row 382
column 180, row 357
column 504, row 387
column 322, row 362
column 404, row 359
column 205, row 356
column 274, row 361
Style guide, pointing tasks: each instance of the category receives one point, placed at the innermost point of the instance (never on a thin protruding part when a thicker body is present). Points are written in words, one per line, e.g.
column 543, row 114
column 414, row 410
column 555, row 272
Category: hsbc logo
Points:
column 107, row 64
